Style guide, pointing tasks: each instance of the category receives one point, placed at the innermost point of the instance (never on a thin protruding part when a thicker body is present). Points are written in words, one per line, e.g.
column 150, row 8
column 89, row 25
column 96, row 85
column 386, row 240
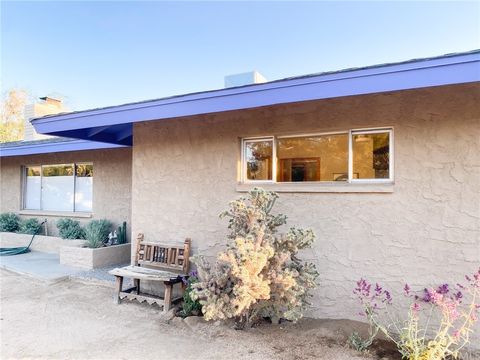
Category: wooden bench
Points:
column 153, row 262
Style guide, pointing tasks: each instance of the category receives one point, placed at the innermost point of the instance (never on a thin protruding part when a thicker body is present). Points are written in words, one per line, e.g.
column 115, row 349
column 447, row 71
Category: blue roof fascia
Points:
column 53, row 147
column 446, row 70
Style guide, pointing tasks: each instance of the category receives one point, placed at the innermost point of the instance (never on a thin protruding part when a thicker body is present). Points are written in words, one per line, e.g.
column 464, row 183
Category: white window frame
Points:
column 24, row 186
column 350, row 134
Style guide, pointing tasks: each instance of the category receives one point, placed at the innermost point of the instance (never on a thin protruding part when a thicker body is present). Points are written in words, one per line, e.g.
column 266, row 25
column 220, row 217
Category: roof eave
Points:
column 53, row 147
column 459, row 69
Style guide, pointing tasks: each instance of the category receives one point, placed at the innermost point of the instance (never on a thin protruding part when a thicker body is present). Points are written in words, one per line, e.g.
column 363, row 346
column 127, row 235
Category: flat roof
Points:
column 53, row 145
column 113, row 124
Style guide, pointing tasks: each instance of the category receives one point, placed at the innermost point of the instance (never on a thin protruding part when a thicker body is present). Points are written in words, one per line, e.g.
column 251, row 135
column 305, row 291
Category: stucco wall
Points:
column 425, row 232
column 111, row 183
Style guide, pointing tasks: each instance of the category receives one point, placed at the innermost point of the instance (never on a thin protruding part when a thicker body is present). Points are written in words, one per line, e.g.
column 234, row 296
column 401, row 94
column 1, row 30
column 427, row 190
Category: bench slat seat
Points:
column 144, row 273
column 153, row 262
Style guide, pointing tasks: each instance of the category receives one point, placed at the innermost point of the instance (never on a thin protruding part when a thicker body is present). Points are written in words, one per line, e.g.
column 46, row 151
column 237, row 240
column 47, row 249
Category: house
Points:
column 383, row 162
column 53, row 177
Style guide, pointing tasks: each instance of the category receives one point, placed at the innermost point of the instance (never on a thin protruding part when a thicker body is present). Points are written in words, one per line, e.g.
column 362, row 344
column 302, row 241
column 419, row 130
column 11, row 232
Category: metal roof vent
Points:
column 247, row 78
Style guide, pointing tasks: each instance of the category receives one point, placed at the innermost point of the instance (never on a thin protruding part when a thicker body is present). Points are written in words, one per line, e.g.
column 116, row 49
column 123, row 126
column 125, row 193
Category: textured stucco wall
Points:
column 112, row 183
column 425, row 232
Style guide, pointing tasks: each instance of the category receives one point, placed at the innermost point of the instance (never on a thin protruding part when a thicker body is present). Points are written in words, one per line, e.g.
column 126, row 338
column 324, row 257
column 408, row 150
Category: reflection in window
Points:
column 371, row 155
column 58, row 170
column 258, row 158
column 84, row 170
column 313, row 158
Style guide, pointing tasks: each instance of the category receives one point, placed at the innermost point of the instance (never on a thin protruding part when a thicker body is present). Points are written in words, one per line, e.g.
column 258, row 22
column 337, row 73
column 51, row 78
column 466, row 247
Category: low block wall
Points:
column 88, row 258
column 48, row 244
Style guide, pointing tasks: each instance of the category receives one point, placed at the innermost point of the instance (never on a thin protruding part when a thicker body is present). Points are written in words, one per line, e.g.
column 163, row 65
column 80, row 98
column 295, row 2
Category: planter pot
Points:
column 48, row 244
column 88, row 258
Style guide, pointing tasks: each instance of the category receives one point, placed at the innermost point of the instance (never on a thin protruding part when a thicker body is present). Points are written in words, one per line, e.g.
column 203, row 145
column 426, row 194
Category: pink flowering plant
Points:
column 439, row 323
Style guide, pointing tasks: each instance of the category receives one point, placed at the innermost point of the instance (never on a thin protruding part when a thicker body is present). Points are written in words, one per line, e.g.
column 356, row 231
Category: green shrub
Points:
column 29, row 226
column 96, row 232
column 70, row 229
column 8, row 222
column 190, row 307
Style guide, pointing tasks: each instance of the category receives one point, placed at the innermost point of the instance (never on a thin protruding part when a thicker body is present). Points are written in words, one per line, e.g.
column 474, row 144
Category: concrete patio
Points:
column 47, row 267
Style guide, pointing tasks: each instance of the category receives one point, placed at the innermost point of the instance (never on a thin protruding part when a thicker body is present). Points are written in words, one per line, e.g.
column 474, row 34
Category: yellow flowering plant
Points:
column 259, row 274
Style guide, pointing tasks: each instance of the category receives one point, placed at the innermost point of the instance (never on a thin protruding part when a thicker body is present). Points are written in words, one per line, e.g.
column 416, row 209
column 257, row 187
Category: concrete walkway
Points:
column 46, row 266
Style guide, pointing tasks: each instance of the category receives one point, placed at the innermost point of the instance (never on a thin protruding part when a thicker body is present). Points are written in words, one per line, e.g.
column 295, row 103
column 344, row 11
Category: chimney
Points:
column 247, row 78
column 51, row 101
column 46, row 106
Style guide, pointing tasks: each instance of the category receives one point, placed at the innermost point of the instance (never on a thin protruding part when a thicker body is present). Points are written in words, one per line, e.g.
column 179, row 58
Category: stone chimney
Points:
column 46, row 106
column 247, row 78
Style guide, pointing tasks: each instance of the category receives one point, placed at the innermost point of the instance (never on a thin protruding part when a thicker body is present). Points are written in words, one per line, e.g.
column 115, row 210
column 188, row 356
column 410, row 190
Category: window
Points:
column 312, row 158
column 33, row 187
column 83, row 187
column 351, row 156
column 258, row 155
column 371, row 154
column 63, row 187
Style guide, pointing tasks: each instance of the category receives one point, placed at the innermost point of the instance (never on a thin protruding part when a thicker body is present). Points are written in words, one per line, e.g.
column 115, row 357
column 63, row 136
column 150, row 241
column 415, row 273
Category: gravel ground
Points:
column 74, row 319
column 100, row 274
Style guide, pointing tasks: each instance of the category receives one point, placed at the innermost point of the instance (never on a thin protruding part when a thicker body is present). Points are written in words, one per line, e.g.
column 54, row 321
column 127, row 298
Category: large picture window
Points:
column 62, row 187
column 312, row 158
column 351, row 156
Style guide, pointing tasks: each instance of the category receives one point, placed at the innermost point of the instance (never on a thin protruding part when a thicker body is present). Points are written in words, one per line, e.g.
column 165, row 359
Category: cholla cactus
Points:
column 259, row 274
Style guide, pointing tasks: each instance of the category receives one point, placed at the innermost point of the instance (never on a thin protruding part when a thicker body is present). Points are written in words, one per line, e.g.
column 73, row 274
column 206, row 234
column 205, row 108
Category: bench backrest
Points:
column 163, row 257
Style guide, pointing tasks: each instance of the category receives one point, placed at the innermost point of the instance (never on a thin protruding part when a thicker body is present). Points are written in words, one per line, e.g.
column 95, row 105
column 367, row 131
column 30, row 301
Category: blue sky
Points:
column 106, row 53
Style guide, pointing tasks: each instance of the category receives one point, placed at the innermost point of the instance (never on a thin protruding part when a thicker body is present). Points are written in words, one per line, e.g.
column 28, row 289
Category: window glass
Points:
column 33, row 187
column 258, row 158
column 84, row 170
column 65, row 187
column 83, row 187
column 313, row 158
column 57, row 187
column 371, row 155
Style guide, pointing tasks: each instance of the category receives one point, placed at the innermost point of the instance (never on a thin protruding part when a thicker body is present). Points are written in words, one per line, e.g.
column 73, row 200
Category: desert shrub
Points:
column 70, row 229
column 190, row 307
column 29, row 226
column 259, row 274
column 9, row 222
column 96, row 232
column 418, row 336
column 360, row 344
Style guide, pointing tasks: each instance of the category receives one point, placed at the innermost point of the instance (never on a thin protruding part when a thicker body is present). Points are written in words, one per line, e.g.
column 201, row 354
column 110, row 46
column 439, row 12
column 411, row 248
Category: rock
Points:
column 275, row 320
column 193, row 321
column 177, row 321
column 167, row 316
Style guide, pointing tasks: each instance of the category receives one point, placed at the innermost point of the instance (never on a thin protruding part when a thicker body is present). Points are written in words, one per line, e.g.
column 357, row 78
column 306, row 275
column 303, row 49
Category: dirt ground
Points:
column 75, row 320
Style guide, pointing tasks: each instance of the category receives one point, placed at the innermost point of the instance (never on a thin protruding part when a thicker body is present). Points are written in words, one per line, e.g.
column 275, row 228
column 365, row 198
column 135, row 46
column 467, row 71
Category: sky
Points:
column 96, row 54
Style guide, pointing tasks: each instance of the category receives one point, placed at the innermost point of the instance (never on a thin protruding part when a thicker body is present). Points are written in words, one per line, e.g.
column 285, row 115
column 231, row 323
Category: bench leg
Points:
column 167, row 301
column 136, row 283
column 118, row 289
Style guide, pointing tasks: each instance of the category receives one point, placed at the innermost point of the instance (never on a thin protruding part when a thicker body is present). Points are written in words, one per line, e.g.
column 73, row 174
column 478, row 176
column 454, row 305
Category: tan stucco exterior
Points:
column 111, row 184
column 424, row 229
